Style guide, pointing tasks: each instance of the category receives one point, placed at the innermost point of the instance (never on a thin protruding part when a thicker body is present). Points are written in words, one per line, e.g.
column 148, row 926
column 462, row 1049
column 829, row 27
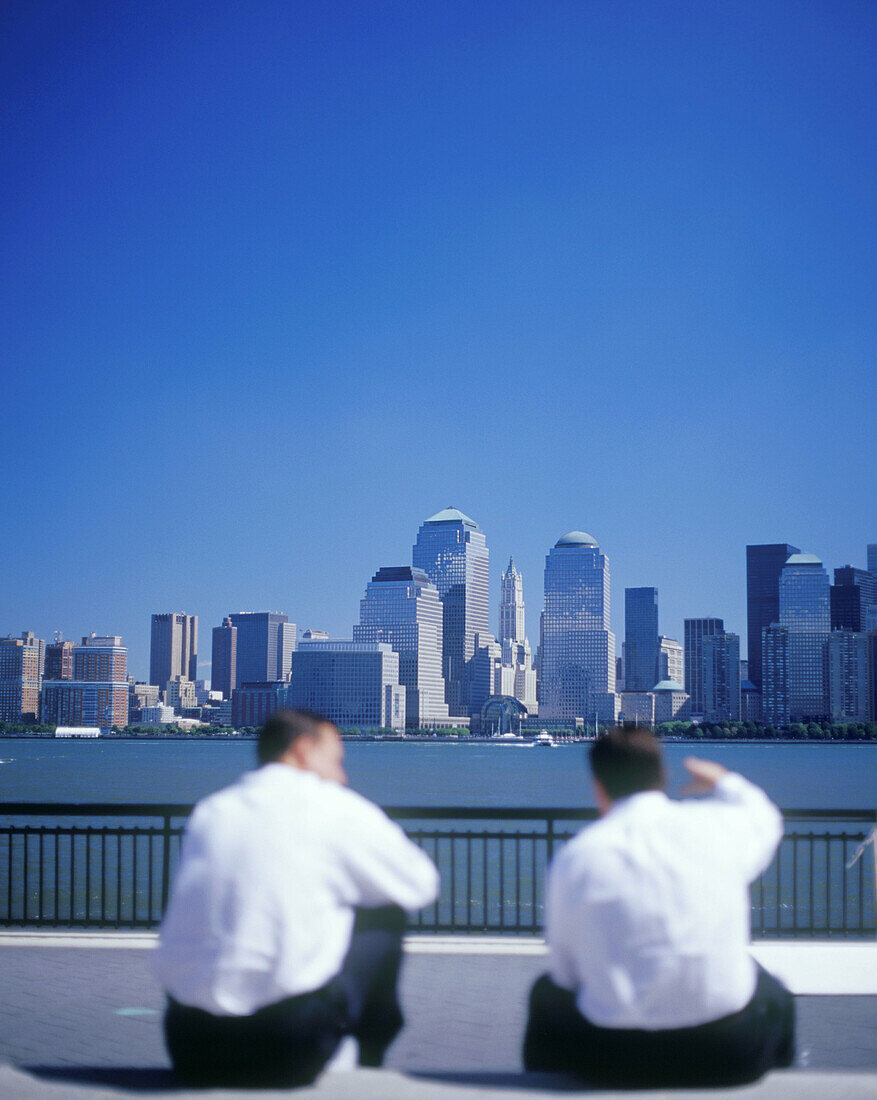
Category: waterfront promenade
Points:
column 80, row 1017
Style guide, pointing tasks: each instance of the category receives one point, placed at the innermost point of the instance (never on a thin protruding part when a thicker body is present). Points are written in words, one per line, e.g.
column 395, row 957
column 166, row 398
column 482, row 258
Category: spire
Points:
column 511, row 568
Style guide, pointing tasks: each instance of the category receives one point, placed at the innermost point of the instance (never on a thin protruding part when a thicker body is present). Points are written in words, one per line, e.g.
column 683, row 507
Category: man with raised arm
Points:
column 284, row 930
column 650, row 978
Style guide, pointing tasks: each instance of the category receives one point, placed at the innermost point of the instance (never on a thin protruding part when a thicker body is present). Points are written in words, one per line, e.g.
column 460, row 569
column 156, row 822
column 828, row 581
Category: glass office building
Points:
column 764, row 563
column 805, row 611
column 265, row 644
column 641, row 646
column 353, row 684
column 721, row 677
column 577, row 647
column 452, row 551
column 695, row 632
column 402, row 608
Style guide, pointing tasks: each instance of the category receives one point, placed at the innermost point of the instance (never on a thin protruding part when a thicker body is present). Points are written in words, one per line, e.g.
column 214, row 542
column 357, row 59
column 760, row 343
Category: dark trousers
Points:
column 289, row 1042
column 732, row 1050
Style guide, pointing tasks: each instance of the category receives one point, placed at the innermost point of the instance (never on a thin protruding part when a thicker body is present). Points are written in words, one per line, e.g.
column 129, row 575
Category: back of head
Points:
column 283, row 729
column 626, row 761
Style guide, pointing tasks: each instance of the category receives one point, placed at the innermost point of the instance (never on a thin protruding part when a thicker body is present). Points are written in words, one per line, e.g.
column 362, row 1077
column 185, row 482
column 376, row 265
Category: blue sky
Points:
column 281, row 280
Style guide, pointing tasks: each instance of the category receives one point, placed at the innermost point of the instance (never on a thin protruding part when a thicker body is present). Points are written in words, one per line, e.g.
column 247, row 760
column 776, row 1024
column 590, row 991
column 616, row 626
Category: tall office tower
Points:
column 452, row 551
column 764, row 563
column 98, row 693
column 224, row 658
column 805, row 611
column 671, row 660
column 511, row 606
column 695, row 632
column 871, row 637
column 721, row 677
column 852, row 592
column 642, row 666
column 173, row 650
column 59, row 660
column 872, row 560
column 354, row 684
column 265, row 644
column 848, row 676
column 578, row 648
column 775, row 685
column 402, row 608
column 22, row 661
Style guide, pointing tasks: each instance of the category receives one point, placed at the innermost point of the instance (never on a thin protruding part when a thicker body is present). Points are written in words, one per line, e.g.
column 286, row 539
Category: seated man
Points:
column 650, row 978
column 284, row 929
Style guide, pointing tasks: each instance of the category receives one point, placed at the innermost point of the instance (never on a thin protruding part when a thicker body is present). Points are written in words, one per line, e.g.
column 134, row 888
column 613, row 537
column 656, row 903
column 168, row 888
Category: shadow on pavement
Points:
column 135, row 1078
column 545, row 1082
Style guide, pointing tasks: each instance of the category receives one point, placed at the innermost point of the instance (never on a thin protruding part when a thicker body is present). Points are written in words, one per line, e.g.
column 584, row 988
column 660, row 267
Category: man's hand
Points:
column 704, row 775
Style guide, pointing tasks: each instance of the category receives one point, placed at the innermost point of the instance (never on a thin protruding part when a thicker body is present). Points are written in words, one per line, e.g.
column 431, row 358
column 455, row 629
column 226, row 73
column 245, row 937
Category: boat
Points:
column 544, row 738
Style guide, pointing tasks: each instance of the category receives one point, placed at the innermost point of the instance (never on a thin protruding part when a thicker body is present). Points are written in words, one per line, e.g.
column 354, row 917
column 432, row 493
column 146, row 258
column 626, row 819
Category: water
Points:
column 817, row 776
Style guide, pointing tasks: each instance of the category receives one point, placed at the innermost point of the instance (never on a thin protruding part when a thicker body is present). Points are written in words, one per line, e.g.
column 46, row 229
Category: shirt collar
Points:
column 641, row 800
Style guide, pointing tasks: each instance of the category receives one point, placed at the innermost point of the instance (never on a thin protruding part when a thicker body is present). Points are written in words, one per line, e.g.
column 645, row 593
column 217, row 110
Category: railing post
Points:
column 165, row 863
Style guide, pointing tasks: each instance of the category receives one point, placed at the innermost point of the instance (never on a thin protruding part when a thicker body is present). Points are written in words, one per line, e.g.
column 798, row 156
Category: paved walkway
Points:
column 85, row 1020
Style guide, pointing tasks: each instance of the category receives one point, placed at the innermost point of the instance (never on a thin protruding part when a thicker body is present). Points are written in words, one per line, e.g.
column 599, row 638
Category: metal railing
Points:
column 110, row 865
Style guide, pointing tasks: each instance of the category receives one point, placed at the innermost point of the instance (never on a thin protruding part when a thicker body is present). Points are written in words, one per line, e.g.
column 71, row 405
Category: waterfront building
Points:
column 671, row 660
column 641, row 646
column 764, row 563
column 22, row 663
column 872, row 674
column 224, row 658
column 577, row 645
column 98, row 693
column 637, row 708
column 872, row 560
column 848, row 676
column 180, row 694
column 59, row 660
column 672, row 702
column 483, row 671
column 252, row 704
column 695, row 632
column 402, row 608
column 805, row 611
column 852, row 593
column 354, row 684
column 511, row 606
column 516, row 676
column 452, row 551
column 173, row 649
column 750, row 701
column 775, row 683
column 141, row 696
column 721, row 677
column 265, row 644
column 156, row 715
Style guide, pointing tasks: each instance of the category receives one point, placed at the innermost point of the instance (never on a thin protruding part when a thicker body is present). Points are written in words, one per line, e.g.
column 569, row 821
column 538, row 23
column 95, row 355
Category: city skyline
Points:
column 282, row 280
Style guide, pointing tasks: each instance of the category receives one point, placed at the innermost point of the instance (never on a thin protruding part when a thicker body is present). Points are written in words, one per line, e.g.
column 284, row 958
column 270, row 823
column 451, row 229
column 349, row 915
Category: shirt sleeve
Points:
column 383, row 865
column 756, row 823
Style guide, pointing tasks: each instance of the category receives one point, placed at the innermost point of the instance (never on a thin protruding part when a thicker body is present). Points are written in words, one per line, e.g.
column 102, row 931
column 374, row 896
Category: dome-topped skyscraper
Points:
column 577, row 646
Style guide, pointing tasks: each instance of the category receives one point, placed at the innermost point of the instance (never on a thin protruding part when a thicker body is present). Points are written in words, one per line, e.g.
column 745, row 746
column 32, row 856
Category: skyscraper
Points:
column 265, row 644
column 511, row 606
column 805, row 611
column 59, row 660
column 848, row 676
column 721, row 677
column 641, row 664
column 22, row 661
column 872, row 560
column 672, row 661
column 764, row 563
column 452, row 551
column 173, row 651
column 695, row 632
column 775, row 686
column 577, row 646
column 354, row 684
column 224, row 659
column 402, row 607
column 853, row 591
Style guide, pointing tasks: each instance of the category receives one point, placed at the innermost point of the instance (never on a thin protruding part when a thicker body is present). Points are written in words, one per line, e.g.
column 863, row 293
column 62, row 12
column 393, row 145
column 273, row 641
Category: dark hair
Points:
column 283, row 728
column 626, row 761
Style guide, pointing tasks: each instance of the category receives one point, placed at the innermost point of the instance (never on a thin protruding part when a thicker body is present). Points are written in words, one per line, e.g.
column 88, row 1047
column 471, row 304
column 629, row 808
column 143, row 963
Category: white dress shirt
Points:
column 270, row 870
column 648, row 908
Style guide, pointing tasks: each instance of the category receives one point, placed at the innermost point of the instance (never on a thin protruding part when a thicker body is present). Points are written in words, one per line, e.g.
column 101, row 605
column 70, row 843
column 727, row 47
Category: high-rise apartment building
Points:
column 402, row 608
column 224, row 658
column 173, row 648
column 775, row 685
column 98, row 693
column 671, row 659
column 59, row 660
column 805, row 611
column 511, row 606
column 577, row 646
column 354, row 684
column 22, row 662
column 854, row 590
column 695, row 632
column 452, row 551
column 641, row 646
column 721, row 677
column 848, row 676
column 265, row 644
column 764, row 563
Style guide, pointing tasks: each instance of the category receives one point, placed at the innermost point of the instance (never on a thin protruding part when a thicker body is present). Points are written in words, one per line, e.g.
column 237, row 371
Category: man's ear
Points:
column 604, row 802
